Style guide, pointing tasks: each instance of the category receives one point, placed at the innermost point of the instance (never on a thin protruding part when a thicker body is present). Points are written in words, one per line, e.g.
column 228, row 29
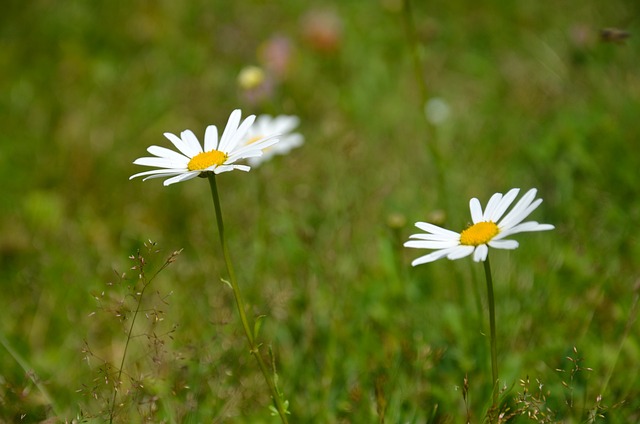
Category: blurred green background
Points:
column 535, row 97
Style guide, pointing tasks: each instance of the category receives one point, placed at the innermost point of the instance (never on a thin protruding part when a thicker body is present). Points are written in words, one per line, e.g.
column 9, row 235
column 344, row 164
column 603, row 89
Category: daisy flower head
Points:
column 490, row 228
column 218, row 156
column 281, row 126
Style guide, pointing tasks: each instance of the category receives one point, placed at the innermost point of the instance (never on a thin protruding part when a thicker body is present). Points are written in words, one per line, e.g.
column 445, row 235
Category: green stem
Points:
column 492, row 326
column 254, row 348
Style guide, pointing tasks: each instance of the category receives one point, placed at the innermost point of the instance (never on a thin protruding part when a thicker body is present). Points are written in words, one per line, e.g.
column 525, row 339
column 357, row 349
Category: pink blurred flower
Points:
column 322, row 29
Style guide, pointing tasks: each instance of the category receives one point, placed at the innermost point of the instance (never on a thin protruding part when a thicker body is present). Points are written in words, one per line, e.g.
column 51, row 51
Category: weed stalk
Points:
column 146, row 283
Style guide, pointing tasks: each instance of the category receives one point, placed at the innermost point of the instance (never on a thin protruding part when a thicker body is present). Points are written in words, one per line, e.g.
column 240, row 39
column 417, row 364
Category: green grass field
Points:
column 537, row 98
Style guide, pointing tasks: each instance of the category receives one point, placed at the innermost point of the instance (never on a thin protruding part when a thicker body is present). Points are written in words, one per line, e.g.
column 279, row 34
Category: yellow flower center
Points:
column 207, row 159
column 479, row 233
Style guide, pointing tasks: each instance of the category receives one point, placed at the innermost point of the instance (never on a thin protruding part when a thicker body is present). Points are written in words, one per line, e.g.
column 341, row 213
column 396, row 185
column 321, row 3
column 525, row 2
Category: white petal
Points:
column 504, row 244
column 192, row 142
column 476, row 210
column 529, row 226
column 160, row 176
column 180, row 178
column 248, row 151
column 160, row 163
column 227, row 168
column 241, row 132
column 251, row 150
column 434, row 229
column 244, row 154
column 434, row 237
column 525, row 227
column 480, row 253
column 229, row 131
column 262, row 122
column 460, row 252
column 163, row 152
column 521, row 210
column 266, row 141
column 222, row 168
column 427, row 244
column 180, row 145
column 285, row 123
column 158, row 172
column 491, row 206
column 504, row 204
column 433, row 256
column 259, row 144
column 211, row 138
column 289, row 142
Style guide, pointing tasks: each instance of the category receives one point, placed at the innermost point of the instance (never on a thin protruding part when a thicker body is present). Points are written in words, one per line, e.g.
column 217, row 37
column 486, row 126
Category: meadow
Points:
column 523, row 94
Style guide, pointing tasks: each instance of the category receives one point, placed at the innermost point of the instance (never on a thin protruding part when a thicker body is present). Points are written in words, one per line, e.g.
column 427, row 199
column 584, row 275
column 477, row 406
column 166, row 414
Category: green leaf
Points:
column 257, row 326
column 227, row 283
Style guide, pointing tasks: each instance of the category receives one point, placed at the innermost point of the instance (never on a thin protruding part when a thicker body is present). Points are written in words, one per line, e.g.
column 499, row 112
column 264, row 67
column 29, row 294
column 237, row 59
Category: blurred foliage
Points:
column 536, row 98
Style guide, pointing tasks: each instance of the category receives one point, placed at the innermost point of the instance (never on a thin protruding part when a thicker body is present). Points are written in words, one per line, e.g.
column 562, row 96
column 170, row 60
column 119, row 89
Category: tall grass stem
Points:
column 492, row 337
column 253, row 346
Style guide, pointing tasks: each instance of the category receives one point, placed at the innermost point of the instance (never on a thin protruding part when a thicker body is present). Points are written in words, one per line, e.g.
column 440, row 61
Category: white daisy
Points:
column 280, row 126
column 488, row 229
column 193, row 161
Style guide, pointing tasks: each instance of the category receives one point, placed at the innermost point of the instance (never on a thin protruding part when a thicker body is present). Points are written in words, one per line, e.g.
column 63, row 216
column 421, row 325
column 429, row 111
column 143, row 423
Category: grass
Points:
column 537, row 100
